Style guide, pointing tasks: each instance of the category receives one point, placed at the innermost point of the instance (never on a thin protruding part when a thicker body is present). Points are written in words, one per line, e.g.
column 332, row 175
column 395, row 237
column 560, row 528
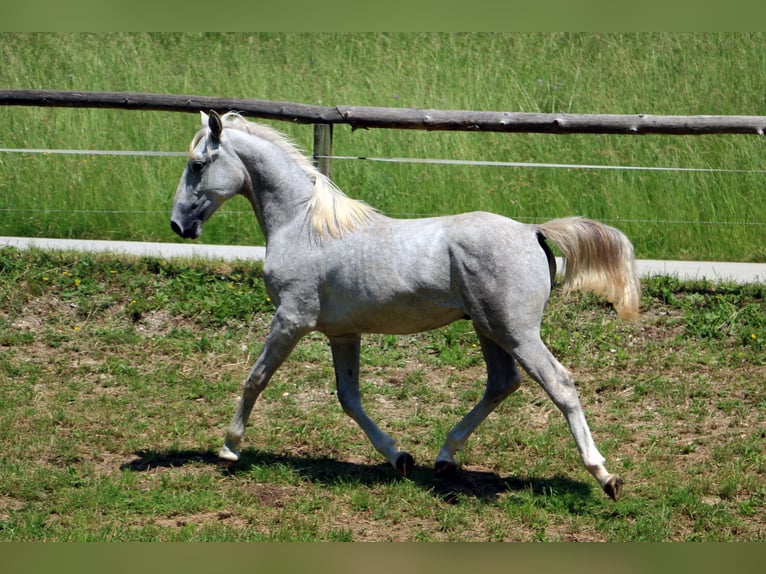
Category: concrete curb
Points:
column 684, row 270
column 138, row 248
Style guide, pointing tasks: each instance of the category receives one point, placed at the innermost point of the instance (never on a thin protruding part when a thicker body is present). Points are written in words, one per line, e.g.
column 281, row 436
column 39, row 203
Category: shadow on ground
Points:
column 482, row 485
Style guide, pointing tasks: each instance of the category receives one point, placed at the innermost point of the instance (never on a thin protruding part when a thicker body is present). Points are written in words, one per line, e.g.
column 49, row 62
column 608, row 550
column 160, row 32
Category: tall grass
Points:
column 687, row 215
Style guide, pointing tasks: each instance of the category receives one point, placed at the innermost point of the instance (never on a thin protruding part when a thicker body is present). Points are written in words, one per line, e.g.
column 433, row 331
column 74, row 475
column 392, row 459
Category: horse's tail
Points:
column 599, row 259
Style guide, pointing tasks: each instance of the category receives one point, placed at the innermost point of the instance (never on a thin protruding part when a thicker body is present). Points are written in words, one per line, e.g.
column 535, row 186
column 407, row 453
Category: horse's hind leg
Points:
column 558, row 382
column 502, row 379
column 345, row 354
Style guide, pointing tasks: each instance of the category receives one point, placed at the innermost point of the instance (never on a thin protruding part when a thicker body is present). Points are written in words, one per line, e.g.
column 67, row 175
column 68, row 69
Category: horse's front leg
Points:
column 285, row 332
column 345, row 354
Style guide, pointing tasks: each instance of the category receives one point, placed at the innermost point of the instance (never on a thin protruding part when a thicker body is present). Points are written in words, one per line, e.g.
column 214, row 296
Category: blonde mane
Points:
column 332, row 211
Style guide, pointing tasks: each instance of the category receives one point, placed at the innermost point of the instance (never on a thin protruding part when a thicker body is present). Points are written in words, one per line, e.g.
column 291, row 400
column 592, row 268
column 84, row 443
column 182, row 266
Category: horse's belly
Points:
column 398, row 319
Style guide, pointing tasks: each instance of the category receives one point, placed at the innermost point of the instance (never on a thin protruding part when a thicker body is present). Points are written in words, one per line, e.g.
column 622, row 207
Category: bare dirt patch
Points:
column 201, row 520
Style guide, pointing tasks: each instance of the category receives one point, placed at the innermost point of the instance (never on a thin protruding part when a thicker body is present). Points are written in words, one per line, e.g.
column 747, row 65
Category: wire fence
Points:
column 435, row 161
column 403, row 160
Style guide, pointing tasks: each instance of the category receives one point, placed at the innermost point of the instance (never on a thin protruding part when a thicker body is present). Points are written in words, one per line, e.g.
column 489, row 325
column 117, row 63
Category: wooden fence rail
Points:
column 398, row 118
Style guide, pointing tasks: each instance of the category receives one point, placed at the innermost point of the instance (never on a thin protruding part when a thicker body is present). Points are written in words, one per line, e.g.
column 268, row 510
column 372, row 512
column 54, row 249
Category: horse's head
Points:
column 213, row 174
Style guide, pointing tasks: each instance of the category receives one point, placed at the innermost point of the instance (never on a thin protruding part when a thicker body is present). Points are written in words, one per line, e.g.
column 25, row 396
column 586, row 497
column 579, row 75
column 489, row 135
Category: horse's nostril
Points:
column 191, row 232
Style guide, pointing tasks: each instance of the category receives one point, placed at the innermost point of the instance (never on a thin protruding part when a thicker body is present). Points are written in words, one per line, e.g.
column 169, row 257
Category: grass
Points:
column 668, row 215
column 119, row 375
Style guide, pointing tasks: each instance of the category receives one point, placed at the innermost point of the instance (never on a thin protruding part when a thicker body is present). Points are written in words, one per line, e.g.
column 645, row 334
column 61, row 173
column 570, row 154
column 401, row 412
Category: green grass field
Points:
column 669, row 215
column 118, row 377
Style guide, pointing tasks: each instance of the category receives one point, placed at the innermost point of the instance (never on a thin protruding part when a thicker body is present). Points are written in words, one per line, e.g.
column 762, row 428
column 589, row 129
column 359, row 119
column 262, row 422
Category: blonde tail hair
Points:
column 599, row 259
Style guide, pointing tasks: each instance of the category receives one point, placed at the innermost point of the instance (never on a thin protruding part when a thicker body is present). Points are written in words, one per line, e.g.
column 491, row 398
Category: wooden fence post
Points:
column 323, row 147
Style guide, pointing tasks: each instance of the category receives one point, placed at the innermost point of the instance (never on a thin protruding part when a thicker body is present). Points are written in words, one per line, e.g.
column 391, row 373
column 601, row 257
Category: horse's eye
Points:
column 197, row 165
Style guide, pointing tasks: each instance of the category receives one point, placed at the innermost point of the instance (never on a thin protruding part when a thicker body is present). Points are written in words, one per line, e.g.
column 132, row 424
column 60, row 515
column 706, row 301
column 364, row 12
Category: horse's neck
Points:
column 280, row 187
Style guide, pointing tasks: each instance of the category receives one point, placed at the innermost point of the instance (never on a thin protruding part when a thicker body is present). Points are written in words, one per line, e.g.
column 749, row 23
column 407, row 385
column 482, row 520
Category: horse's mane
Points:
column 332, row 211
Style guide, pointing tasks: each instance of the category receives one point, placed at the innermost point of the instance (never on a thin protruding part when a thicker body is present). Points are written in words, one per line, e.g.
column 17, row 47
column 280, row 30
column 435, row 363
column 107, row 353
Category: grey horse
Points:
column 336, row 265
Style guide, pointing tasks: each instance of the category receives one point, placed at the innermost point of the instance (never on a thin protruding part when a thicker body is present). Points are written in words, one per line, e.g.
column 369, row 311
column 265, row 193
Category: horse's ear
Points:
column 215, row 124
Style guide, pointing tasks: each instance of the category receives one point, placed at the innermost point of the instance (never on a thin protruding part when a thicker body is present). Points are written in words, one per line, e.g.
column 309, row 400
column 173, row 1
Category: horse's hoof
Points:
column 613, row 487
column 444, row 468
column 405, row 464
column 228, row 455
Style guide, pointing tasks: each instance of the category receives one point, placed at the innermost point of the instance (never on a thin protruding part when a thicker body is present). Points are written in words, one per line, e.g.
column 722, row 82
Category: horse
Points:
column 336, row 265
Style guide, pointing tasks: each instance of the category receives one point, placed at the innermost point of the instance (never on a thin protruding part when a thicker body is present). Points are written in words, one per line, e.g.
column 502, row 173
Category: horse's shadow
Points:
column 482, row 485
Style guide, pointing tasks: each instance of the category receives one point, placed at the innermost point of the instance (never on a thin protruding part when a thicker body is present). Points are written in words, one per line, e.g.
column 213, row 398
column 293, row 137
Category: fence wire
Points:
column 117, row 152
column 484, row 163
column 432, row 161
column 404, row 160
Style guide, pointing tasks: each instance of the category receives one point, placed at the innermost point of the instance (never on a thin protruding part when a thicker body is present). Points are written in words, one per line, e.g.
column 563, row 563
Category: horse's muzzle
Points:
column 192, row 232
